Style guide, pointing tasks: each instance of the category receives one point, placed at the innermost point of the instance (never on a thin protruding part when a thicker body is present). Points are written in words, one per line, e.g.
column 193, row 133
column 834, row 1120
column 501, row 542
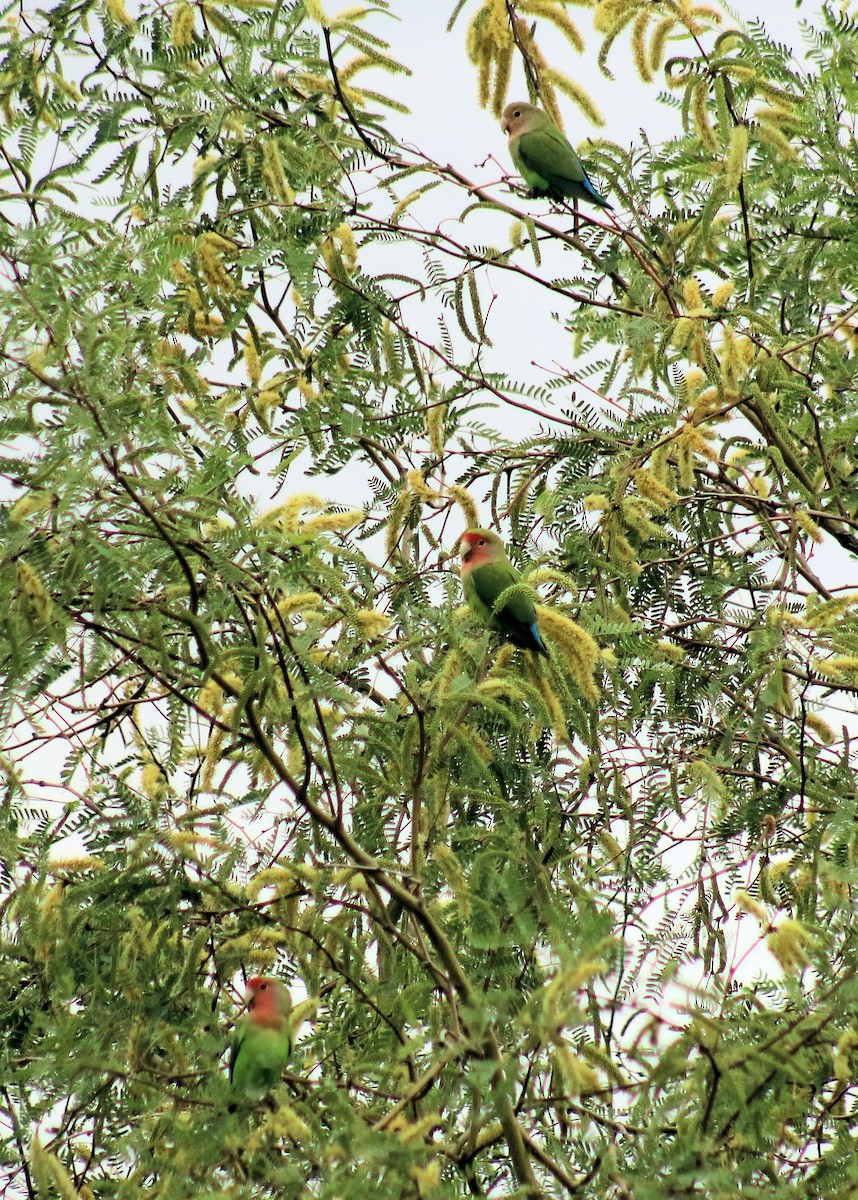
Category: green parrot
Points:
column 486, row 573
column 262, row 1042
column 543, row 157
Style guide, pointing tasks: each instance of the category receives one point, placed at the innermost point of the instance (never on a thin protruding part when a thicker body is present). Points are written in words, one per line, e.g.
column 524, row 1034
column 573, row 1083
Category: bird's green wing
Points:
column 235, row 1047
column 489, row 580
column 545, row 152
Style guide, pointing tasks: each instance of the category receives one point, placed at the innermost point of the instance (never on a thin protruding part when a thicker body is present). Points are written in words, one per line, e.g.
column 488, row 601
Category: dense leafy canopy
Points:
column 580, row 928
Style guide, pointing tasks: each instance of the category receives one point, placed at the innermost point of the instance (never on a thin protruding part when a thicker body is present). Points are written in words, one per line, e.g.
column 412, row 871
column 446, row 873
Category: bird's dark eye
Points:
column 482, row 541
column 517, row 112
column 263, row 986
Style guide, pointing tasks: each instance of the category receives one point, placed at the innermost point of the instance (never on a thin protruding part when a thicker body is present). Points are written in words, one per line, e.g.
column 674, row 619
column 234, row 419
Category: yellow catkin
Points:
column 211, row 698
column 287, row 515
column 700, row 96
column 202, row 325
column 843, row 1056
column 427, row 1177
column 659, row 40
column 596, row 502
column 746, row 902
column 697, row 438
column 653, row 490
column 82, row 862
column 820, row 727
column 789, row 944
column 806, row 522
column 694, row 380
column 609, row 13
column 693, row 298
column 152, row 780
column 734, row 167
column 466, row 504
column 454, row 876
column 575, row 93
column 315, row 12
column 503, row 657
column 539, row 679
column 298, row 602
column 682, row 333
column 332, row 522
column 775, row 139
column 722, row 294
column 371, row 623
column 669, row 651
column 636, row 518
column 579, row 1077
column 344, row 235
column 639, row 52
column 419, row 487
column 435, row 414
column 182, row 25
column 252, row 363
column 52, row 1177
column 826, row 614
column 274, row 173
column 210, row 248
column 578, row 650
column 29, row 504
column 35, row 593
column 120, row 13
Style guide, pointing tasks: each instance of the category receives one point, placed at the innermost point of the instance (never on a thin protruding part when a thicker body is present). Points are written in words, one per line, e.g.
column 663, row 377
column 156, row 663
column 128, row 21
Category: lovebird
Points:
column 543, row 157
column 262, row 1042
column 486, row 573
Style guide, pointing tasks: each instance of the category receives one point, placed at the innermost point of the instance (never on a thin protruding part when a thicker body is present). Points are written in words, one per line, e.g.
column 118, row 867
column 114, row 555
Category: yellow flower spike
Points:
column 298, row 602
column 372, row 624
column 734, row 167
column 639, row 53
column 821, row 728
column 596, row 502
column 427, row 1177
column 274, row 173
column 610, row 13
column 119, row 12
column 659, row 40
column 29, row 504
column 287, row 515
column 344, row 235
column 696, row 436
column 211, row 698
column 827, row 613
column 746, row 902
column 252, row 363
column 693, row 297
column 580, row 1078
column 435, row 414
column 789, row 944
column 653, row 490
column 723, row 293
column 806, row 522
column 503, row 658
column 420, row 487
column 539, row 680
column 577, row 649
column 35, row 593
column 152, row 780
column 333, row 522
column 843, row 1056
